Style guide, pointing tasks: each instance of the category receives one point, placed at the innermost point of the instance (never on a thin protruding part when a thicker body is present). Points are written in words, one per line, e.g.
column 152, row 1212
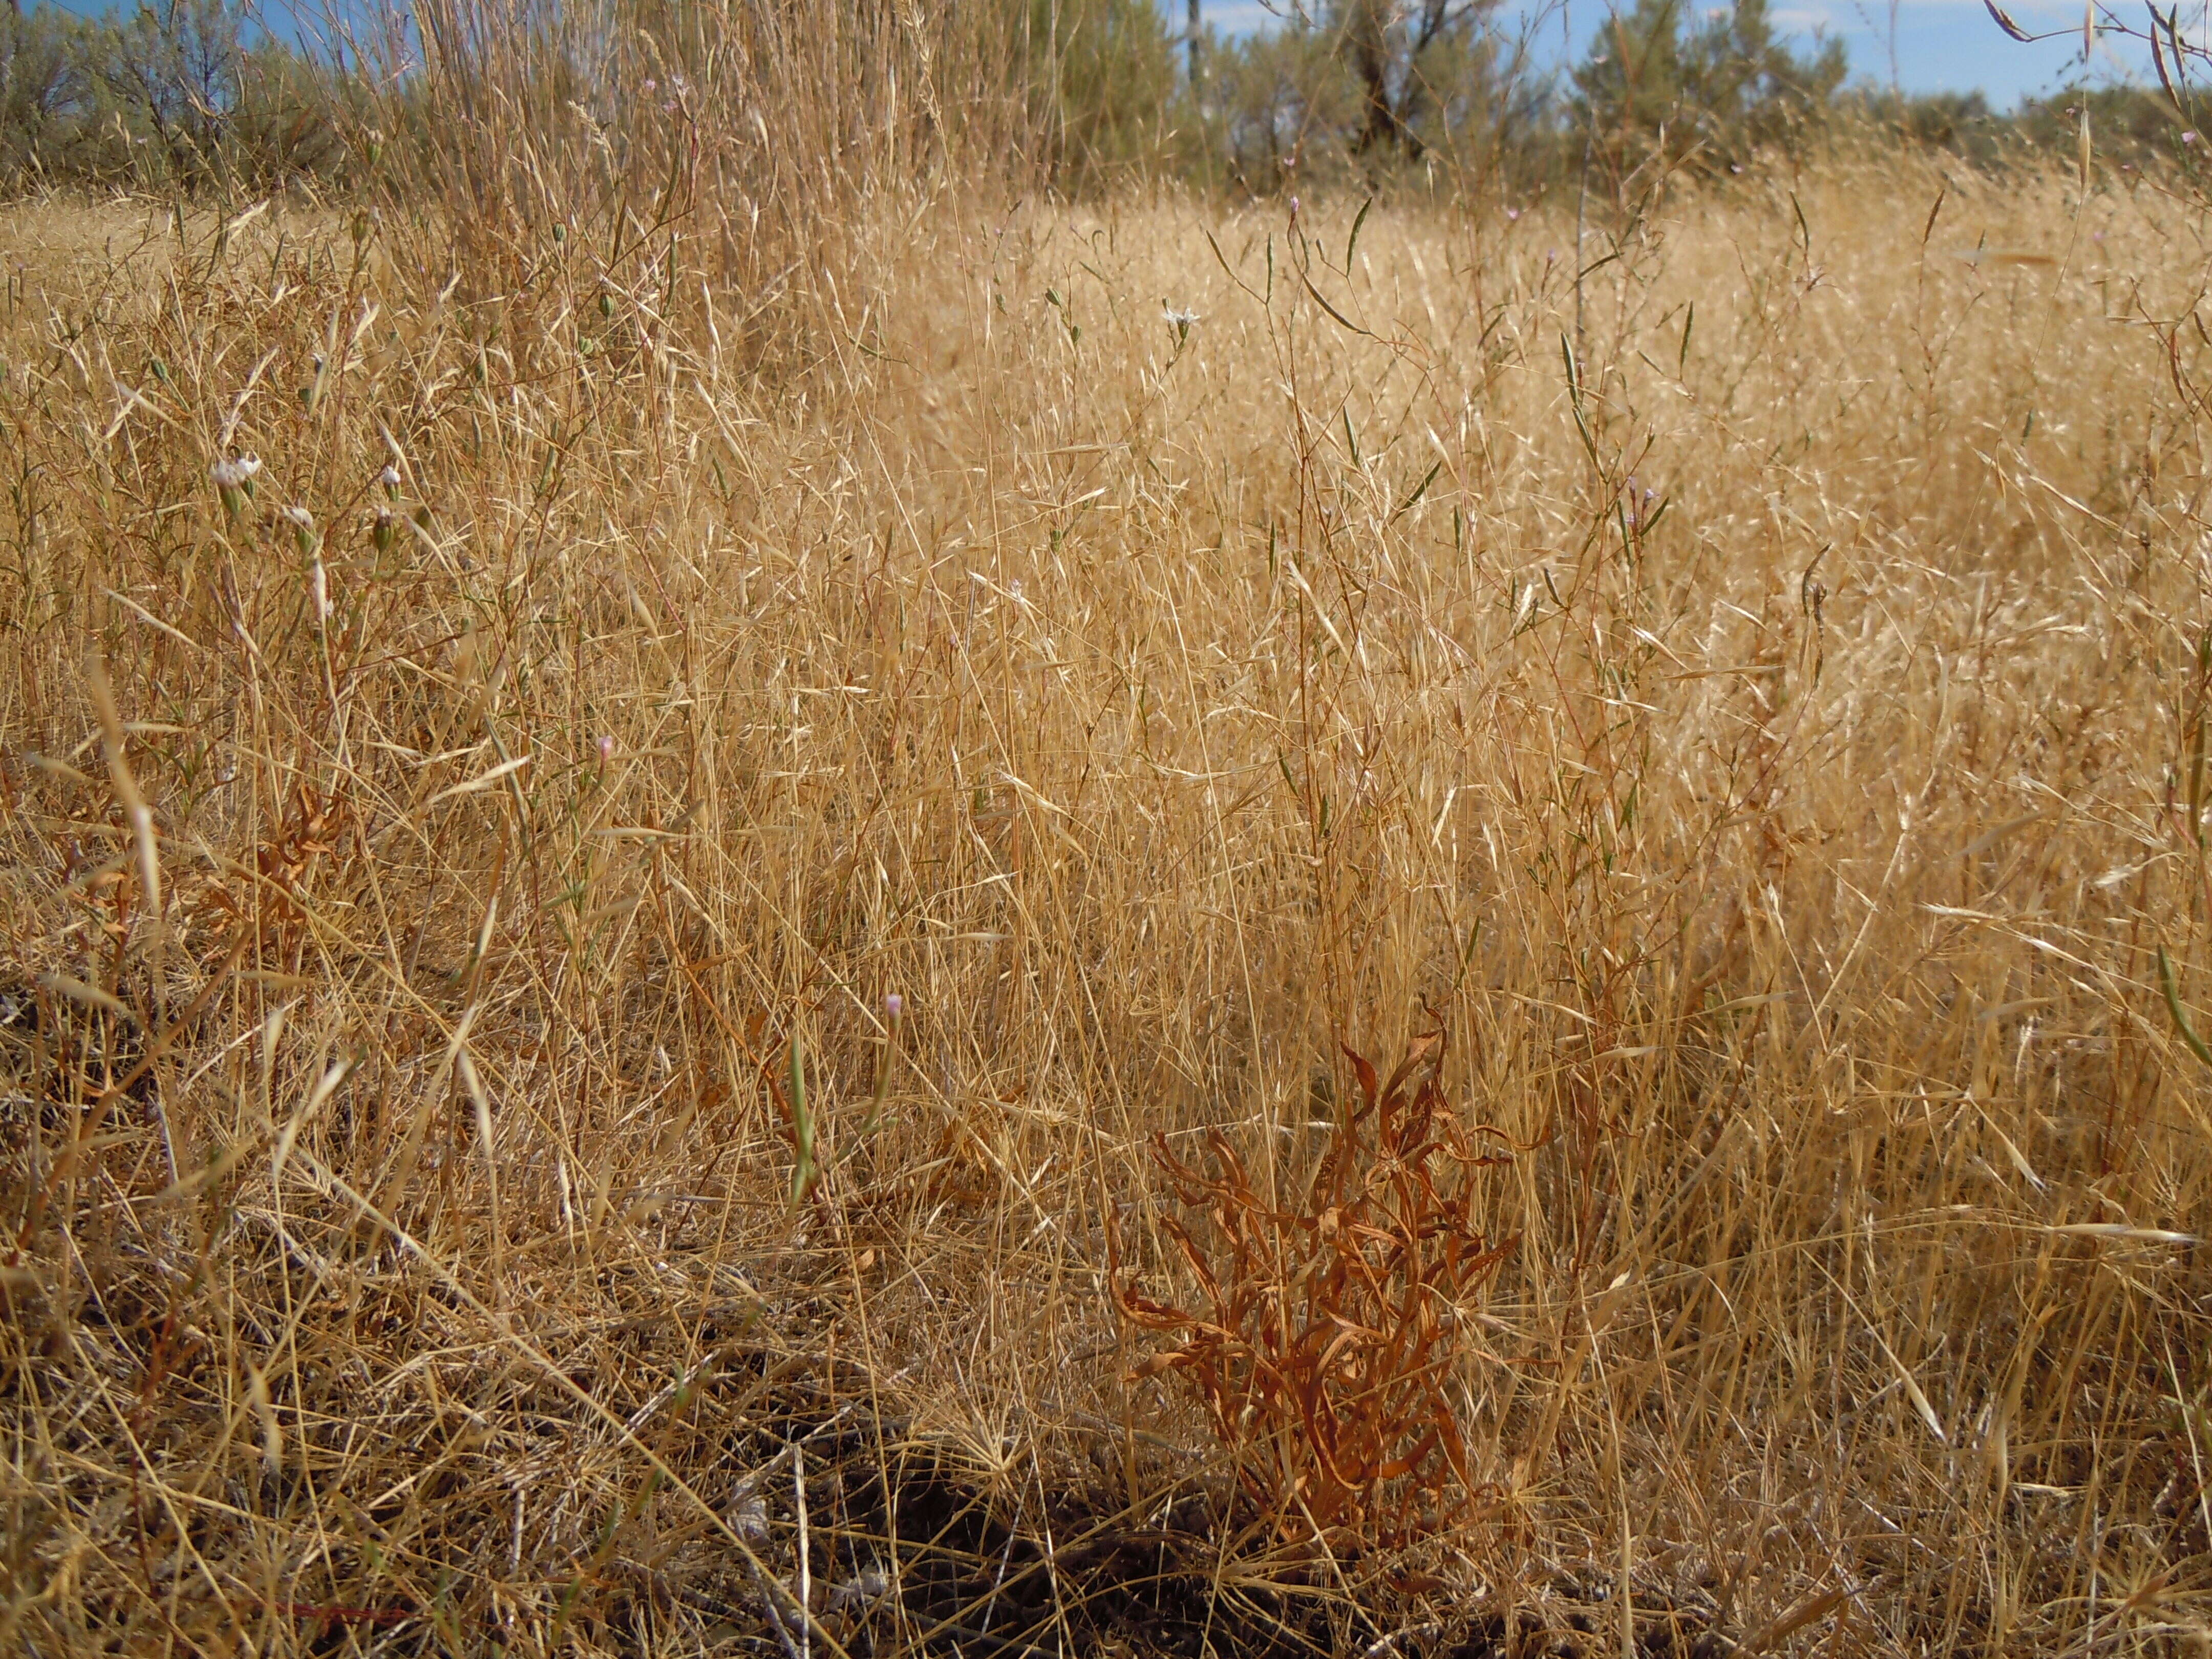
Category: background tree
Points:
column 1658, row 85
column 45, row 91
column 1104, row 73
column 1398, row 54
column 177, row 66
column 1276, row 101
column 1347, row 86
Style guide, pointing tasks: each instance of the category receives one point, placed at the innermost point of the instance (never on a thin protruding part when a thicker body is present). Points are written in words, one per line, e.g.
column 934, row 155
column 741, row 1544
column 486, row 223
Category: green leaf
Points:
column 2165, row 983
column 1420, row 490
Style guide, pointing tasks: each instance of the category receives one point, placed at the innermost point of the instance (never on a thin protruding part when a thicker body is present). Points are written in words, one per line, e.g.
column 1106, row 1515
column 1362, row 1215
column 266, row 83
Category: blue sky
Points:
column 1941, row 45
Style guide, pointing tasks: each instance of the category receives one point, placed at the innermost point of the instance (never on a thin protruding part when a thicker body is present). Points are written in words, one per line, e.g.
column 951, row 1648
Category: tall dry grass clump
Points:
column 743, row 143
column 468, row 1184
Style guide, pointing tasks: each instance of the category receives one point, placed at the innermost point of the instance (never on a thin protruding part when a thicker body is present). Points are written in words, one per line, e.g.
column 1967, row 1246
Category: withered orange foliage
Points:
column 276, row 911
column 1329, row 1350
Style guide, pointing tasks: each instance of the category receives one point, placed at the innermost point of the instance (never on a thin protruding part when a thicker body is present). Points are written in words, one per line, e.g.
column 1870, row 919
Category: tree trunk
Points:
column 1367, row 43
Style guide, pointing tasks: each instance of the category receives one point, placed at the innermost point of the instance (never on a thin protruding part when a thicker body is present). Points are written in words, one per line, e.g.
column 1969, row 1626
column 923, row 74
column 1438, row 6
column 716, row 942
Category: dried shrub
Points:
column 1332, row 1346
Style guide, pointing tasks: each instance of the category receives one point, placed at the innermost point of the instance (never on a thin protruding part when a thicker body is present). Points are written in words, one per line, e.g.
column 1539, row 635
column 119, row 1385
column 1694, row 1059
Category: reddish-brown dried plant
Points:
column 1331, row 1345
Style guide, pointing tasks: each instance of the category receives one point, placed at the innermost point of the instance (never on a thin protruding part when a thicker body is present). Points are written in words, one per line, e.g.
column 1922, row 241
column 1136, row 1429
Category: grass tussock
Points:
column 467, row 1182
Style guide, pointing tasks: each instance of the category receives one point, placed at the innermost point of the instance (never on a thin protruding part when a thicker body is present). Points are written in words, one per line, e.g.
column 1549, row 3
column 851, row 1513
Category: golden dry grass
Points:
column 1770, row 746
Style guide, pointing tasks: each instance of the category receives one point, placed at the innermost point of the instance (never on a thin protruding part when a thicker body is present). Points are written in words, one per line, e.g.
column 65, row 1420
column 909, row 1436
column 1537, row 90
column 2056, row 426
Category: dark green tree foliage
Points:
column 173, row 95
column 47, row 92
column 1944, row 120
column 1351, row 86
column 1270, row 102
column 1407, row 61
column 1102, row 74
column 1660, row 85
column 2128, row 125
column 178, row 69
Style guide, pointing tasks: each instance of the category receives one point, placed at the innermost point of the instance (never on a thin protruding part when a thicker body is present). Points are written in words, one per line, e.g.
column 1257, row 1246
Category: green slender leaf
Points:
column 1420, row 490
column 2165, row 983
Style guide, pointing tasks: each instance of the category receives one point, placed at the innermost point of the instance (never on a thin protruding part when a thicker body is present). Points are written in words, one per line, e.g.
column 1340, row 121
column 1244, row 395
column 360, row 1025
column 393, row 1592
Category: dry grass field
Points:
column 736, row 983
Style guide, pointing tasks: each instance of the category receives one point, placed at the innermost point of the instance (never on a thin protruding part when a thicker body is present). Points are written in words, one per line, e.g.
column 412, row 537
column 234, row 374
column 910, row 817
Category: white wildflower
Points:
column 233, row 477
column 303, row 528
